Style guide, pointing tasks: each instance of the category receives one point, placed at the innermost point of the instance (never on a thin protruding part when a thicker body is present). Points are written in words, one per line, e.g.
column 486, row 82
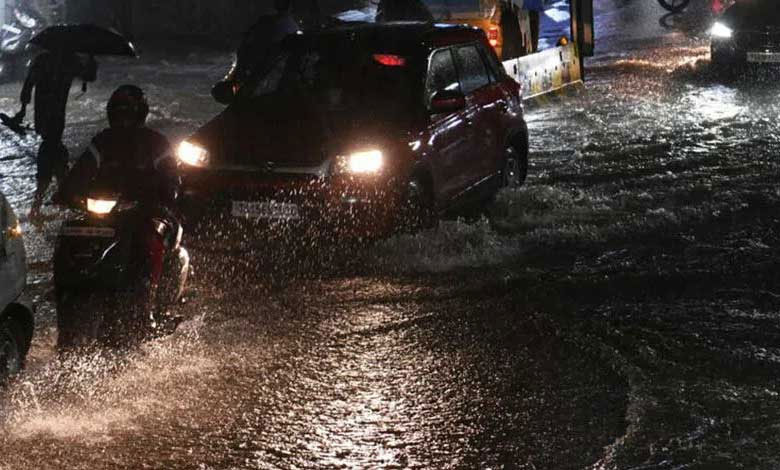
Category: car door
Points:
column 450, row 133
column 483, row 102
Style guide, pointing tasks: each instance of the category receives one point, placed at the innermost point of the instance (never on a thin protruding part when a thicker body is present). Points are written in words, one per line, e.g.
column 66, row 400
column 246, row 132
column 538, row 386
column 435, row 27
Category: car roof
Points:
column 404, row 37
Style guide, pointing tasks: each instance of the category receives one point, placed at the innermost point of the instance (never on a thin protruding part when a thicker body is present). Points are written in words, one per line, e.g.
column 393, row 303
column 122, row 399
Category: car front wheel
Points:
column 417, row 208
column 515, row 168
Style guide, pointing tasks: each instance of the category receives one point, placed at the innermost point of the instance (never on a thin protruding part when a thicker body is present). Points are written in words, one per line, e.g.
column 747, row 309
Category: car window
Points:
column 494, row 67
column 269, row 83
column 473, row 74
column 441, row 74
column 335, row 81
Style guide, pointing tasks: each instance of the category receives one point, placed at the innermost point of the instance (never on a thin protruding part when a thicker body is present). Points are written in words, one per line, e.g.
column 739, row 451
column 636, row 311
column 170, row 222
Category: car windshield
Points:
column 344, row 81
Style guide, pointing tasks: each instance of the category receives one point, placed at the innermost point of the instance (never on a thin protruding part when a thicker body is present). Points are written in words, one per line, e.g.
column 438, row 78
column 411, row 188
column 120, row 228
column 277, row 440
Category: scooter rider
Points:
column 135, row 166
column 127, row 147
column 142, row 157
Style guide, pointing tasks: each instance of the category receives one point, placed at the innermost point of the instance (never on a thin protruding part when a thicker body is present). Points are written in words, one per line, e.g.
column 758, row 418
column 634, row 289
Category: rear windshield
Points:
column 340, row 79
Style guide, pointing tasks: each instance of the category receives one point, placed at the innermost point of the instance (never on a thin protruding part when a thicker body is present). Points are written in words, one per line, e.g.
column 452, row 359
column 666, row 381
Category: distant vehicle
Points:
column 105, row 293
column 507, row 28
column 359, row 130
column 14, row 38
column 674, row 6
column 16, row 318
column 747, row 33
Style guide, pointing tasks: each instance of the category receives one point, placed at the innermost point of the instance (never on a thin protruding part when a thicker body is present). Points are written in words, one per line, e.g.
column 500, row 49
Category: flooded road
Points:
column 619, row 311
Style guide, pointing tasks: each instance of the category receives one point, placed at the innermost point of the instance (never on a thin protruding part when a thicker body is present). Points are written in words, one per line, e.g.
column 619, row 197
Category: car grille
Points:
column 758, row 40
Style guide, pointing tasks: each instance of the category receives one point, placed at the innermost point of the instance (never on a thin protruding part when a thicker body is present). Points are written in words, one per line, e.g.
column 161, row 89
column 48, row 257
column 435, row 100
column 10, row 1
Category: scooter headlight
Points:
column 721, row 31
column 101, row 206
column 192, row 155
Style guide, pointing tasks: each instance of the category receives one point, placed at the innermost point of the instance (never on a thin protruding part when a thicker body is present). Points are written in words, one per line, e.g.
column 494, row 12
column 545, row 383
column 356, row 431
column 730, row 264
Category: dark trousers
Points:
column 52, row 160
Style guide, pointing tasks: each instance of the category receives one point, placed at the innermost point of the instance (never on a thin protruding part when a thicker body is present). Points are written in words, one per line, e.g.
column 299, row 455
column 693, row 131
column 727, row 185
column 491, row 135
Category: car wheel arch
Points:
column 424, row 175
column 518, row 135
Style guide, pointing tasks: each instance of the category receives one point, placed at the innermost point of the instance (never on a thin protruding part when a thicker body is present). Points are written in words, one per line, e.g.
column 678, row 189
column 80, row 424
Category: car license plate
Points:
column 764, row 57
column 89, row 232
column 265, row 210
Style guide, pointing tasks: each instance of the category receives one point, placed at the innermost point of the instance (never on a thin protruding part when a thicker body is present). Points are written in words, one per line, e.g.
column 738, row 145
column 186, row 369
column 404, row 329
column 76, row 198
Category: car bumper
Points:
column 242, row 209
column 747, row 50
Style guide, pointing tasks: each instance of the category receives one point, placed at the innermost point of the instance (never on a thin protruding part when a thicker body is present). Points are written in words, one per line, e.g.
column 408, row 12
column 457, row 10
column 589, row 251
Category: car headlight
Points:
column 361, row 163
column 720, row 30
column 101, row 206
column 192, row 154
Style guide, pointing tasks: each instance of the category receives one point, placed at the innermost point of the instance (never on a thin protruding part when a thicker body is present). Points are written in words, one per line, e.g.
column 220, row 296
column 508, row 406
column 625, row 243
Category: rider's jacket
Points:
column 140, row 159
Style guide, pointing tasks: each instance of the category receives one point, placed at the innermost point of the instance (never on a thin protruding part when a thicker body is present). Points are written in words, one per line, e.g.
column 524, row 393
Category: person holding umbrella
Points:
column 51, row 74
column 69, row 54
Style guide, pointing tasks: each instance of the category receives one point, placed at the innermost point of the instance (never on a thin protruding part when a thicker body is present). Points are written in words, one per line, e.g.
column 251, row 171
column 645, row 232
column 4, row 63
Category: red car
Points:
column 359, row 130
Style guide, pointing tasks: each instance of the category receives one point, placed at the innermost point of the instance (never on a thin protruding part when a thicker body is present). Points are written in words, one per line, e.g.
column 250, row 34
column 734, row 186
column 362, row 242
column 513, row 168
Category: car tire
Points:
column 417, row 210
column 515, row 170
column 11, row 359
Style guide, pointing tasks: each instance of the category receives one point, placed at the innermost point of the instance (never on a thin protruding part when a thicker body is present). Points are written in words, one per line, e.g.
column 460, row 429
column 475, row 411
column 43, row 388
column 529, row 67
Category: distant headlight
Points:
column 720, row 30
column 15, row 230
column 100, row 206
column 366, row 162
column 192, row 154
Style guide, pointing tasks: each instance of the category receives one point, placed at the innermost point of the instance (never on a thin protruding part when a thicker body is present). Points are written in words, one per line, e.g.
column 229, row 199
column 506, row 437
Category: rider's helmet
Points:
column 127, row 107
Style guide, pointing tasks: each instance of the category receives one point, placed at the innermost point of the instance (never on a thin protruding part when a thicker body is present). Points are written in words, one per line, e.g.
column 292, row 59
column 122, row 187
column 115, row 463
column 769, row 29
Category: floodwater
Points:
column 620, row 311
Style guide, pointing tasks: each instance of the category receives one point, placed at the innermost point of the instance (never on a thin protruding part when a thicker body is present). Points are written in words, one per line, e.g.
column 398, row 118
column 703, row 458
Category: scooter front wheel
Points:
column 675, row 6
column 10, row 351
column 79, row 321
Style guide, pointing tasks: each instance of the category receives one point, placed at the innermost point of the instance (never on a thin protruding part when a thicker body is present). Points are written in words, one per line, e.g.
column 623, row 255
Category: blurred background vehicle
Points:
column 16, row 317
column 15, row 33
column 747, row 33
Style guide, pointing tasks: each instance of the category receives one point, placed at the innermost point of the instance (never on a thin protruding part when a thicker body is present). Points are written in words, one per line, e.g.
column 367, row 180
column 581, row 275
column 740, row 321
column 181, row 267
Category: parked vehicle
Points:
column 104, row 269
column 14, row 38
column 747, row 33
column 358, row 130
column 16, row 317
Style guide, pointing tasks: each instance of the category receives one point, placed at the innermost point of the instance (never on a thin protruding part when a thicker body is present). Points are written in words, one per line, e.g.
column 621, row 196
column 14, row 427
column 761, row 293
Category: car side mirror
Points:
column 223, row 93
column 447, row 101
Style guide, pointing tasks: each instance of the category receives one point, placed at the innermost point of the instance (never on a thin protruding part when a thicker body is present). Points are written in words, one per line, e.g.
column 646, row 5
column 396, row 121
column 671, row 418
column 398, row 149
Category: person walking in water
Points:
column 51, row 74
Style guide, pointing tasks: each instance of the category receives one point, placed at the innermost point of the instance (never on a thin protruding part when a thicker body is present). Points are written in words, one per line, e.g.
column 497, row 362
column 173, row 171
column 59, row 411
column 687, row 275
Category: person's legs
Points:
column 52, row 161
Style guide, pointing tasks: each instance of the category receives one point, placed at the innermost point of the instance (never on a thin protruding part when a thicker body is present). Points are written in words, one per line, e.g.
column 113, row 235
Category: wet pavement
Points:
column 619, row 311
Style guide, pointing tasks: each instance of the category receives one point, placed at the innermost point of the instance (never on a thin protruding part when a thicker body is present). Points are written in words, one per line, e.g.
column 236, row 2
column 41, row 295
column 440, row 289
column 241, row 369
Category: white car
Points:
column 16, row 317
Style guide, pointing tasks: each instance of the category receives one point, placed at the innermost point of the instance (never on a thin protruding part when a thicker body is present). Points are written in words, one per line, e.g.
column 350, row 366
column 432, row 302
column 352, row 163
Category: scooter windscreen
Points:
column 113, row 194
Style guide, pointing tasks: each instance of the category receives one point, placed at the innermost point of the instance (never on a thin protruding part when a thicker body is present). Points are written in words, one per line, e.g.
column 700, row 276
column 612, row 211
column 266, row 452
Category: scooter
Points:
column 14, row 36
column 119, row 271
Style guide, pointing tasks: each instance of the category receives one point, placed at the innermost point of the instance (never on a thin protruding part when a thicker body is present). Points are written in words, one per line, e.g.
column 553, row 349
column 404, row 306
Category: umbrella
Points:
column 86, row 38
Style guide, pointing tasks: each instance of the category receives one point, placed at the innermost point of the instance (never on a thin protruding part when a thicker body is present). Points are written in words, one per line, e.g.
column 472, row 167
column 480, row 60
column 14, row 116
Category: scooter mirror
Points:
column 223, row 92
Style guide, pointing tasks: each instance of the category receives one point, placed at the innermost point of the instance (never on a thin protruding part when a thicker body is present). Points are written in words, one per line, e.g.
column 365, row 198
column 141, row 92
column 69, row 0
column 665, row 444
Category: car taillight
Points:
column 390, row 60
column 493, row 36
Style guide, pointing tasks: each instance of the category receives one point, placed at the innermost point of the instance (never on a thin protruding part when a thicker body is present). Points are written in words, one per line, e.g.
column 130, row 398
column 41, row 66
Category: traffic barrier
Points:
column 550, row 71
